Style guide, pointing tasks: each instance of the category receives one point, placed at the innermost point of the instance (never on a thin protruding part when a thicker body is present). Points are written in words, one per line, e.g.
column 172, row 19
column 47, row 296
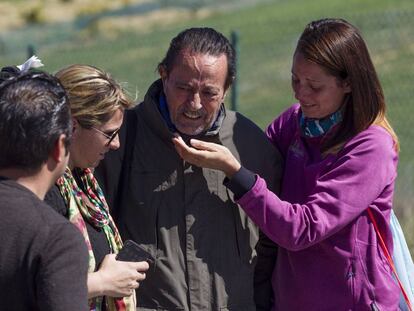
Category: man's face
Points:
column 195, row 89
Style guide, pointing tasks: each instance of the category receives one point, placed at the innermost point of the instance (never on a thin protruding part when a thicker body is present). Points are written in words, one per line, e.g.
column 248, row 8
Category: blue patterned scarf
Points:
column 319, row 127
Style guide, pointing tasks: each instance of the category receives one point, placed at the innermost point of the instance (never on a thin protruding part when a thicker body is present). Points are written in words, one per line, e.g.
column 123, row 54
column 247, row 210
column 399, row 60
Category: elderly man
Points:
column 43, row 258
column 203, row 242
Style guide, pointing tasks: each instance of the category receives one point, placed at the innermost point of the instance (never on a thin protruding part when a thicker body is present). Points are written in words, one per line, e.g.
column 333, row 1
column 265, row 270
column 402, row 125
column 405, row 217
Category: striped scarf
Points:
column 90, row 205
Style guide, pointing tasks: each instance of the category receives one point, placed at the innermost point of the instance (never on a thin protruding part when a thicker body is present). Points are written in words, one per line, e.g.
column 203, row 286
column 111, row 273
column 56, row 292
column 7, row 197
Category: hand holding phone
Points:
column 131, row 251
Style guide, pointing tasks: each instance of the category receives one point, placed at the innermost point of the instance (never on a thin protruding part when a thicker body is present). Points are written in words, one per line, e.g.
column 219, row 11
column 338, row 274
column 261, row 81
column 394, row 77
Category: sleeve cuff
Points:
column 241, row 182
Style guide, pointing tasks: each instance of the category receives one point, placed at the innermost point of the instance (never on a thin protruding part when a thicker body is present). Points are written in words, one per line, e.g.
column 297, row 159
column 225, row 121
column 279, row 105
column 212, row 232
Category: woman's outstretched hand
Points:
column 208, row 155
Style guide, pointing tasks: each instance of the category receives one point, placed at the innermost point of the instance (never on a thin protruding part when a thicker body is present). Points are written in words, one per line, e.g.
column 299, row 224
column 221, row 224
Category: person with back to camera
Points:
column 203, row 243
column 97, row 103
column 43, row 259
column 341, row 158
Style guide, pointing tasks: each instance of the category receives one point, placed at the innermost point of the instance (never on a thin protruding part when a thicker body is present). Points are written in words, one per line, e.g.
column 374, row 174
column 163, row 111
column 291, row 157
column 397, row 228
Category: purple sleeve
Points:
column 364, row 168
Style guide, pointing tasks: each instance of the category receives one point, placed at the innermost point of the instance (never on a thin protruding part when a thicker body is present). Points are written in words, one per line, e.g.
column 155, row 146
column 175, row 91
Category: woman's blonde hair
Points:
column 93, row 94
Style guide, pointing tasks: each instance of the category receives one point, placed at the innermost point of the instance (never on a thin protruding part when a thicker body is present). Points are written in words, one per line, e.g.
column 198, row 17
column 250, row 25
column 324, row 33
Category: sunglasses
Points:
column 111, row 136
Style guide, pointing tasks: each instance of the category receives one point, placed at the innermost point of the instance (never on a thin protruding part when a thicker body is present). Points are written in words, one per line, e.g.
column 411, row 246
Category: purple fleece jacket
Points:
column 329, row 258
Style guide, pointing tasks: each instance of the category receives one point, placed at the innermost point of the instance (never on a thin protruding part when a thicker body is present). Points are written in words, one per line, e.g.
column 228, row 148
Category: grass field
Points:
column 268, row 34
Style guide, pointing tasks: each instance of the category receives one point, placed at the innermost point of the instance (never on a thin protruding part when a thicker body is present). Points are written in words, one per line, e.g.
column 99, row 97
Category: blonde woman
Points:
column 97, row 104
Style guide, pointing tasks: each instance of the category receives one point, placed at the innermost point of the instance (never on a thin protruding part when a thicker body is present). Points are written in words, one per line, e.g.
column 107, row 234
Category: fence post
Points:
column 234, row 89
column 30, row 50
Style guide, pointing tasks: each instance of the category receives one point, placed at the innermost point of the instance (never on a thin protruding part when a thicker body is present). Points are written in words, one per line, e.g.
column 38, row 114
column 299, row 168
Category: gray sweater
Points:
column 43, row 257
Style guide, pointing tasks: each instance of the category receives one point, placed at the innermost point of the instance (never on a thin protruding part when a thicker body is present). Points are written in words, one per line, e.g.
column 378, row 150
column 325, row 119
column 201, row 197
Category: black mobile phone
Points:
column 131, row 251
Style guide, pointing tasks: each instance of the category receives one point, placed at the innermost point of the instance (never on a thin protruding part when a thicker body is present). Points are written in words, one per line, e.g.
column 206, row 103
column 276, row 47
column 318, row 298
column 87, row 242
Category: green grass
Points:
column 268, row 33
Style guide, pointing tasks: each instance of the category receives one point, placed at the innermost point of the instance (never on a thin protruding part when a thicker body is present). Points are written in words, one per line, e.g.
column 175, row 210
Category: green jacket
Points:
column 203, row 243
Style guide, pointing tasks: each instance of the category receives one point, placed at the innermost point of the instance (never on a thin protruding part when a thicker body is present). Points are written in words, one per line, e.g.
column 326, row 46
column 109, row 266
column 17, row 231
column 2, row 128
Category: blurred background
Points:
column 129, row 37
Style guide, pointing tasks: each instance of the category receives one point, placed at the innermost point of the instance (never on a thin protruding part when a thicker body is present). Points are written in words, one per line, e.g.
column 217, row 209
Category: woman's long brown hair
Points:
column 338, row 47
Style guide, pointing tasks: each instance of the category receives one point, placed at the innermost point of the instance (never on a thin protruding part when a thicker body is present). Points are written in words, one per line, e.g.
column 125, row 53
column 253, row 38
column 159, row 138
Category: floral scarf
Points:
column 90, row 205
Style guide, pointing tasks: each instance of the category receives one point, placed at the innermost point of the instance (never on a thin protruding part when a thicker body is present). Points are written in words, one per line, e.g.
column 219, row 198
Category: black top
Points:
column 97, row 237
column 43, row 258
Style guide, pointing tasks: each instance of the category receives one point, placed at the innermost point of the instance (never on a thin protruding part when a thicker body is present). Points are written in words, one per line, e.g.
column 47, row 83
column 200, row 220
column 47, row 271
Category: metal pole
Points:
column 30, row 50
column 234, row 89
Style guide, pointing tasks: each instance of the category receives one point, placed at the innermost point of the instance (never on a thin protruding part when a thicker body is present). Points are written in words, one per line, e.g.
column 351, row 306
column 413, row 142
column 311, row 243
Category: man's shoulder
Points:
column 30, row 219
column 238, row 122
column 235, row 116
column 25, row 209
column 54, row 229
column 17, row 201
column 237, row 126
column 50, row 215
column 248, row 142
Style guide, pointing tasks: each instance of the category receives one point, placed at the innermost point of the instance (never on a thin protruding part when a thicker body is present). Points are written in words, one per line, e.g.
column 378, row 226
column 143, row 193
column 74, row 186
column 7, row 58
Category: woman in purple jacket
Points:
column 341, row 158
